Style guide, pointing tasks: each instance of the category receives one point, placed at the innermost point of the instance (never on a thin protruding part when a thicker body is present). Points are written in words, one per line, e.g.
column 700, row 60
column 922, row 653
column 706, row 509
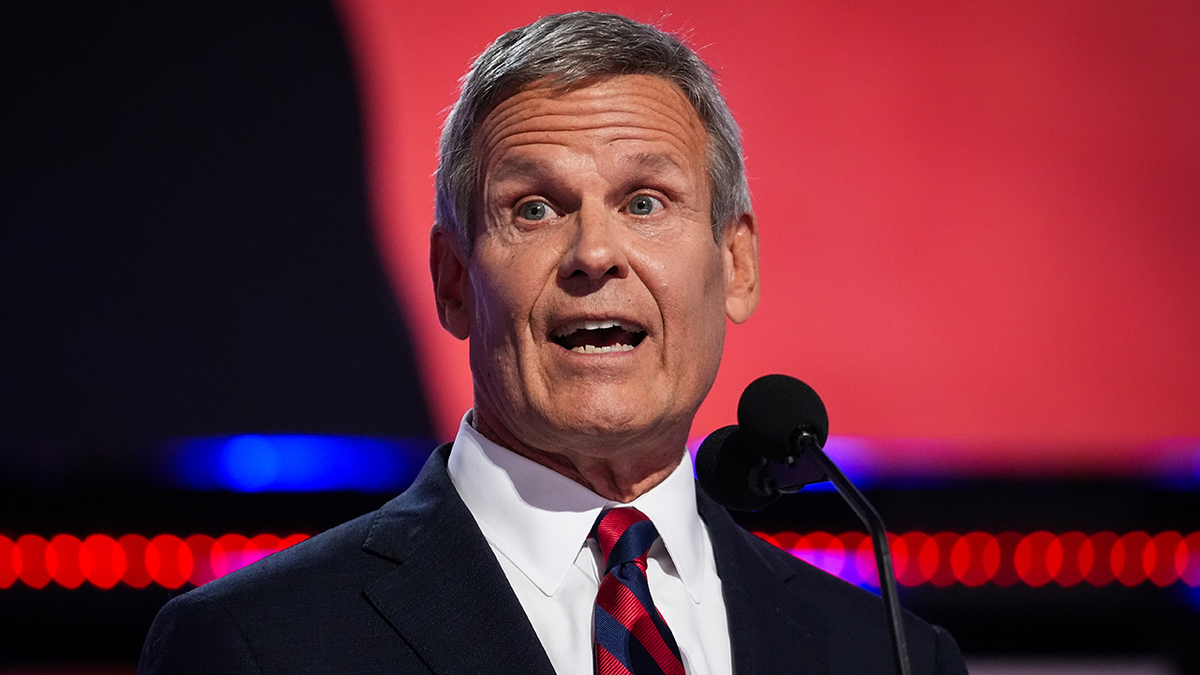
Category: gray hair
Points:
column 574, row 49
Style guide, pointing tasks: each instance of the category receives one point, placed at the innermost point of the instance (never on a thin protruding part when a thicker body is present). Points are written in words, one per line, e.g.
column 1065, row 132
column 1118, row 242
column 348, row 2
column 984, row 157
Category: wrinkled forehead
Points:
column 632, row 108
column 555, row 84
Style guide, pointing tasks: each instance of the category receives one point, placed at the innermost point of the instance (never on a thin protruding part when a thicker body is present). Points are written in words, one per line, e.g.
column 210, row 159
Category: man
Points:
column 593, row 235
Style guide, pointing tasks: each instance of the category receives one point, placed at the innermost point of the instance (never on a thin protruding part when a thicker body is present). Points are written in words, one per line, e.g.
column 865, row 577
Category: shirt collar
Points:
column 539, row 518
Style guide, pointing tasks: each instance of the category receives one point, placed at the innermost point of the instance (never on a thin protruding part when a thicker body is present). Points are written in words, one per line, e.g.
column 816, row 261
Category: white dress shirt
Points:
column 537, row 522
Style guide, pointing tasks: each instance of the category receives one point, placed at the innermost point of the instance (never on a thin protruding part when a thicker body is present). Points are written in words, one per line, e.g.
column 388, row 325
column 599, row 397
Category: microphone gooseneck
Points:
column 777, row 447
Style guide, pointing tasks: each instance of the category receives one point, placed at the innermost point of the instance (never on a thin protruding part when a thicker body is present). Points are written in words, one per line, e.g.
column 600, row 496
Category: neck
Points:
column 617, row 471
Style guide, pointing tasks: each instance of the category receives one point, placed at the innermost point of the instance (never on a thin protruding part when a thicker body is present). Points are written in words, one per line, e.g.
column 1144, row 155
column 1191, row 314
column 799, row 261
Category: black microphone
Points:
column 746, row 467
column 777, row 447
column 774, row 407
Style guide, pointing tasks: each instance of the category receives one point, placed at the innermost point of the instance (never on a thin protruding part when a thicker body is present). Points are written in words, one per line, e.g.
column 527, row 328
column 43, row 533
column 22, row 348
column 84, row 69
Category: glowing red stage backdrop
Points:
column 980, row 221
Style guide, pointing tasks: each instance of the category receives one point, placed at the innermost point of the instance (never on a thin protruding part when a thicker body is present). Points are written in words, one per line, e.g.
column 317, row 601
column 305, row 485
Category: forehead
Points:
column 624, row 111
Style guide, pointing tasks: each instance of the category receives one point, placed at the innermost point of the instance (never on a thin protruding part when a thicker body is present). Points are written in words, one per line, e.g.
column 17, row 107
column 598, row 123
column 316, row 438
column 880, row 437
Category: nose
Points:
column 595, row 251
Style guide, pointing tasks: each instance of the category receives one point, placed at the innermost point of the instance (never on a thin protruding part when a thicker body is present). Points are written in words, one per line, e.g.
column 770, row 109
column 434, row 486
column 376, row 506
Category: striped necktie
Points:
column 631, row 636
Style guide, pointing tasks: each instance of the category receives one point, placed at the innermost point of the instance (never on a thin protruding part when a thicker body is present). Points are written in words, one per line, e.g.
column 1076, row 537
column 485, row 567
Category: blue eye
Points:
column 535, row 210
column 644, row 205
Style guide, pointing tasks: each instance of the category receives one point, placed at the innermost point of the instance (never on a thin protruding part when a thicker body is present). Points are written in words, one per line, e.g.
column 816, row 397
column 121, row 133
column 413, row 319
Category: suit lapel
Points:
column 447, row 596
column 772, row 630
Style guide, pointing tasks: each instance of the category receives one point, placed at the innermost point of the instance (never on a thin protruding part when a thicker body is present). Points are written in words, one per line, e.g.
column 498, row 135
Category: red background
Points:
column 980, row 222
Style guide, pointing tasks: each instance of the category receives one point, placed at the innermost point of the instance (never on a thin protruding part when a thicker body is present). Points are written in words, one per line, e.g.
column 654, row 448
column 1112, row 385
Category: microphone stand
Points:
column 789, row 476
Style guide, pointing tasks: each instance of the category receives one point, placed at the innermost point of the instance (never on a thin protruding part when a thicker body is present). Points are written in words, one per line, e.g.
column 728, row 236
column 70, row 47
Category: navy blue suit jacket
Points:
column 415, row 588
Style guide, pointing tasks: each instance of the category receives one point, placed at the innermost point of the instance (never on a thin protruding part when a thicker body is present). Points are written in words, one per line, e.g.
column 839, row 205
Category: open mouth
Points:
column 598, row 337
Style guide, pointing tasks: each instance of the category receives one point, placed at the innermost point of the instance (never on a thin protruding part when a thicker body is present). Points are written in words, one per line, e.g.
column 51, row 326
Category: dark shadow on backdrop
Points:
column 185, row 247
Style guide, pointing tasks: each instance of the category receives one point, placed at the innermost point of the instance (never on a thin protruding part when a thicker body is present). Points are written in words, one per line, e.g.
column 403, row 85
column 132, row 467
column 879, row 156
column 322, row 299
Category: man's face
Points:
column 595, row 297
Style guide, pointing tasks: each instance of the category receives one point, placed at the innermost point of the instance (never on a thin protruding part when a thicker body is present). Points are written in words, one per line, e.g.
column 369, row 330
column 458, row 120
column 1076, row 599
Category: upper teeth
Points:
column 592, row 325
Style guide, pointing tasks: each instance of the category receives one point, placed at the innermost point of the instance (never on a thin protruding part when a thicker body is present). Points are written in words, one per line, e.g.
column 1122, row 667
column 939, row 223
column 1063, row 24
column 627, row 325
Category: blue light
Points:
column 1175, row 464
column 248, row 463
column 1190, row 594
column 295, row 463
column 852, row 455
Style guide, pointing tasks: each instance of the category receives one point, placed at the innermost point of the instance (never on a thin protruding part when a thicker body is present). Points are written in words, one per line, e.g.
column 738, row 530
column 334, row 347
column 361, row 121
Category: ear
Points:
column 740, row 247
column 451, row 284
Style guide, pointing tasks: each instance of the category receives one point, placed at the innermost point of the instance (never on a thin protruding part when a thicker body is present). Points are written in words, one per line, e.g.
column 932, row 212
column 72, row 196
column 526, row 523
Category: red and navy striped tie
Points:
column 631, row 636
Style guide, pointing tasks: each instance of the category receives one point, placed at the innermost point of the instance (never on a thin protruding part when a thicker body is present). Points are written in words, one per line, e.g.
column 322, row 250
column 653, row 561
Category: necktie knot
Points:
column 625, row 535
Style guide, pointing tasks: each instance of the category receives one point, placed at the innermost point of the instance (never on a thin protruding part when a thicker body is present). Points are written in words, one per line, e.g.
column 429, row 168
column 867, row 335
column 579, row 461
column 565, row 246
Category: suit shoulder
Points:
column 854, row 618
column 310, row 608
column 316, row 578
column 272, row 616
column 337, row 550
column 193, row 634
column 931, row 649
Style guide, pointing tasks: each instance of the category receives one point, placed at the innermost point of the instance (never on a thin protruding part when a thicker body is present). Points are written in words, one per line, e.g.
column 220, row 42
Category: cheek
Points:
column 505, row 293
column 492, row 302
column 692, row 297
column 711, row 305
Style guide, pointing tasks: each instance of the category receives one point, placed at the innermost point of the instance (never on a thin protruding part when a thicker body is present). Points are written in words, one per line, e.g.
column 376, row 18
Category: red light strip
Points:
column 978, row 558
column 941, row 559
column 132, row 559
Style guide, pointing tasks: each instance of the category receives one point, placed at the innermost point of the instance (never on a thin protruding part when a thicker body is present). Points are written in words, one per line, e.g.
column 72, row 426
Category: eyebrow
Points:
column 653, row 160
column 524, row 166
column 516, row 166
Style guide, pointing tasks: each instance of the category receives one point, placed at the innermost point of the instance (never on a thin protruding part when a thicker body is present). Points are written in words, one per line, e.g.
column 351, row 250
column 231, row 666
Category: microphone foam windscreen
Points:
column 725, row 465
column 773, row 406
